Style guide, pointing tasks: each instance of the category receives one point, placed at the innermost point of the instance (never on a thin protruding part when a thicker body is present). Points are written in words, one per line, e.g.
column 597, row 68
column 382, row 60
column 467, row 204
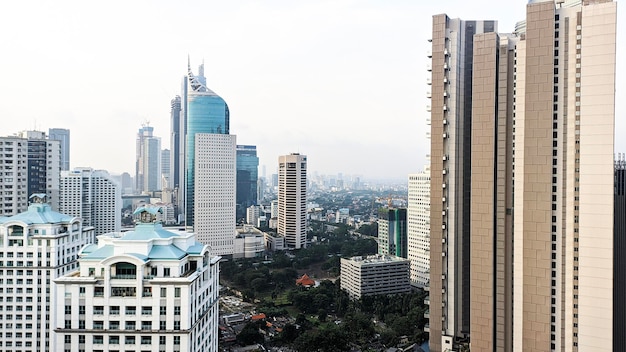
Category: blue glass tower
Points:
column 206, row 112
column 247, row 176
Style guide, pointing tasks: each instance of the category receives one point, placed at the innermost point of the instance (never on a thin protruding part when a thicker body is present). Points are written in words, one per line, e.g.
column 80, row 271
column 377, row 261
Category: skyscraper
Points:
column 522, row 181
column 619, row 255
column 14, row 169
column 215, row 191
column 44, row 166
column 148, row 164
column 292, row 199
column 247, row 178
column 418, row 227
column 175, row 137
column 165, row 169
column 62, row 135
column 93, row 196
column 206, row 112
column 392, row 232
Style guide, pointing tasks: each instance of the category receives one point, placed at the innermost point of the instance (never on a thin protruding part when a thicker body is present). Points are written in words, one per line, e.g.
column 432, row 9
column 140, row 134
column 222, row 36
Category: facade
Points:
column 62, row 135
column 392, row 232
column 206, row 113
column 93, row 196
column 375, row 275
column 539, row 249
column 149, row 289
column 292, row 199
column 148, row 162
column 36, row 246
column 274, row 242
column 418, row 227
column 215, row 191
column 342, row 216
column 247, row 178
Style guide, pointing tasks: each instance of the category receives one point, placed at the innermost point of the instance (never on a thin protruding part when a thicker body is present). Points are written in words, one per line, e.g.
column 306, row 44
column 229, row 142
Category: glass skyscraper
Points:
column 206, row 112
column 247, row 176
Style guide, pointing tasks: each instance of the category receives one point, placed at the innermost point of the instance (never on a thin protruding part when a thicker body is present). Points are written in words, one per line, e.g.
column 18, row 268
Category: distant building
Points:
column 375, row 275
column 13, row 152
column 247, row 178
column 249, row 242
column 392, row 232
column 62, row 135
column 418, row 227
column 147, row 289
column 165, row 169
column 215, row 191
column 148, row 161
column 274, row 242
column 93, row 196
column 342, row 216
column 619, row 254
column 252, row 215
column 292, row 199
column 44, row 166
column 36, row 246
column 175, row 146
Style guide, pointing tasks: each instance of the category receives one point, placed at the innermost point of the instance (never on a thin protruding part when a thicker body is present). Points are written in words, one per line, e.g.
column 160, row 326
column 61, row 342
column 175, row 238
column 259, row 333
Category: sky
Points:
column 341, row 81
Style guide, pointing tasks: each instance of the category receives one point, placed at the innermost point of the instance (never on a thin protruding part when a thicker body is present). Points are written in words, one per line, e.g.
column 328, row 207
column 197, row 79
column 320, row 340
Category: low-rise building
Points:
column 249, row 242
column 274, row 242
column 375, row 275
column 148, row 289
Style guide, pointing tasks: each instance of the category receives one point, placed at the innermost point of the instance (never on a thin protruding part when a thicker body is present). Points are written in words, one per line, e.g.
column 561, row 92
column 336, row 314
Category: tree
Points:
column 250, row 334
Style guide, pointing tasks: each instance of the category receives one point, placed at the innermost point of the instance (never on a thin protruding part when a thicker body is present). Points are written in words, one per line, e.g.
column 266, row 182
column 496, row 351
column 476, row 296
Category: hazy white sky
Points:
column 342, row 81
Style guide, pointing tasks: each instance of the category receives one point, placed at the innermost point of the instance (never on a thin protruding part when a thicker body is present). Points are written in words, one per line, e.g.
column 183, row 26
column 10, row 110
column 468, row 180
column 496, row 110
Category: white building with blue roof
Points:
column 36, row 246
column 151, row 289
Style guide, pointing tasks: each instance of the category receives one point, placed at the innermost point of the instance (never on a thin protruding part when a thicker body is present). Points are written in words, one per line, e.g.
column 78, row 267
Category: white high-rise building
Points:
column 150, row 289
column 14, row 168
column 36, row 246
column 93, row 196
column 418, row 227
column 215, row 191
column 292, row 199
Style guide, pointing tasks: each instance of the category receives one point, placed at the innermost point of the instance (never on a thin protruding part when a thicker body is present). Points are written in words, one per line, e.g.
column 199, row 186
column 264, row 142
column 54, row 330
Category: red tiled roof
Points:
column 258, row 317
column 305, row 280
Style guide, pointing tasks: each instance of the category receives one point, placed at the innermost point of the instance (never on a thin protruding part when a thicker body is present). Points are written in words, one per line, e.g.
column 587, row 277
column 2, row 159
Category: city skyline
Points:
column 334, row 68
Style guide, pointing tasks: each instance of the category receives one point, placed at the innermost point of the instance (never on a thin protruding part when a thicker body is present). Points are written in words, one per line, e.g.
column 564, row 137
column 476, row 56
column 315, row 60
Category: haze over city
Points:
column 343, row 82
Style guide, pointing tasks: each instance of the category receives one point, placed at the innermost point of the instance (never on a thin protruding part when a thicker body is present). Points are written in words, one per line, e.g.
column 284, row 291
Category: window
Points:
column 163, row 292
column 176, row 340
column 68, row 309
column 129, row 340
column 98, row 339
column 130, row 325
column 177, row 292
column 161, row 340
column 177, row 310
column 146, row 310
column 166, row 272
column 146, row 340
column 68, row 338
column 177, row 325
column 130, row 310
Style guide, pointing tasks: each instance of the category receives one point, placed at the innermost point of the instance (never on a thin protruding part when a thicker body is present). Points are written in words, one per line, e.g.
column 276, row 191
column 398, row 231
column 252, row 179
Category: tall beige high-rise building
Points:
column 522, row 179
column 292, row 199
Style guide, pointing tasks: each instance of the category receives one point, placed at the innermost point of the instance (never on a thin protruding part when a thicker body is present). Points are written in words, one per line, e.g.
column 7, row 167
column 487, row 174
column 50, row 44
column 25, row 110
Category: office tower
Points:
column 253, row 213
column 292, row 199
column 247, row 177
column 392, row 232
column 619, row 255
column 165, row 169
column 14, row 166
column 149, row 289
column 541, row 100
column 93, row 196
column 215, row 191
column 62, row 135
column 375, row 275
column 44, row 166
column 206, row 113
column 418, row 227
column 175, row 137
column 148, row 162
column 37, row 246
